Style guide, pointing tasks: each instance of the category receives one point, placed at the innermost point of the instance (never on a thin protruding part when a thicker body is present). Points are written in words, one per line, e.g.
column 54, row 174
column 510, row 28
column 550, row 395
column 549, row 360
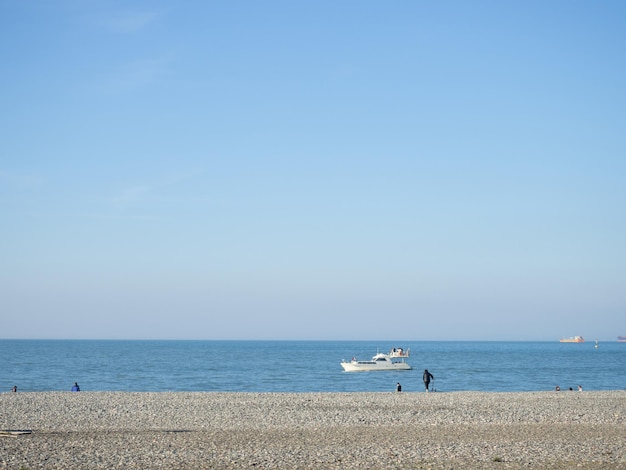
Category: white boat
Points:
column 392, row 361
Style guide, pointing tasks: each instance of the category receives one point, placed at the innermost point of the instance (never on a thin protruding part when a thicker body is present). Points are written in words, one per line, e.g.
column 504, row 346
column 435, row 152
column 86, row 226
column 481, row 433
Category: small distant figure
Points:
column 75, row 388
column 580, row 388
column 14, row 389
column 557, row 389
column 398, row 387
column 571, row 389
column 427, row 377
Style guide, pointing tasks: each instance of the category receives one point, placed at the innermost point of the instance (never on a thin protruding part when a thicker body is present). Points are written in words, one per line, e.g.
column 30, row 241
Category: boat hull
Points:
column 575, row 339
column 392, row 361
column 361, row 366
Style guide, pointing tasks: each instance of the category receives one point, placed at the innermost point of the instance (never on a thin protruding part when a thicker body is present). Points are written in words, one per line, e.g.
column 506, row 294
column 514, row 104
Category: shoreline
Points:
column 314, row 429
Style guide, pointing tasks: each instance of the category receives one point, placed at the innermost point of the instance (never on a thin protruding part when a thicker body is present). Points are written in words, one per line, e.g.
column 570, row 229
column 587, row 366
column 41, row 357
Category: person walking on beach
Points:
column 75, row 388
column 427, row 378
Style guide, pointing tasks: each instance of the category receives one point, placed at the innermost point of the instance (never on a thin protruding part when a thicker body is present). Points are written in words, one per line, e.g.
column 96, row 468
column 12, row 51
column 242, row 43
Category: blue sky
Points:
column 313, row 170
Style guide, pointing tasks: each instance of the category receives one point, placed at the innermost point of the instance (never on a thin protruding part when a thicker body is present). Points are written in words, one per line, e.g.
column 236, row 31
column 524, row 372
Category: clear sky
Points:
column 412, row 170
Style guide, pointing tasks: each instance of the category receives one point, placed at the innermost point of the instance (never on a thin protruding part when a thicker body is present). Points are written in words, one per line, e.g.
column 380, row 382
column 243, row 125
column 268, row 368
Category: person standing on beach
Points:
column 398, row 387
column 75, row 388
column 427, row 378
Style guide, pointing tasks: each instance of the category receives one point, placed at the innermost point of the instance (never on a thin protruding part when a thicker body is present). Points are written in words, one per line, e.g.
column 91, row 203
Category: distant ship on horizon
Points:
column 573, row 339
column 621, row 339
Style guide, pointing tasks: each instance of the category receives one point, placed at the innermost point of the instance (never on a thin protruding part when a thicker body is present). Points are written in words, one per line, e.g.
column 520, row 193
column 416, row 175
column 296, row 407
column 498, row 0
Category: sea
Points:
column 306, row 366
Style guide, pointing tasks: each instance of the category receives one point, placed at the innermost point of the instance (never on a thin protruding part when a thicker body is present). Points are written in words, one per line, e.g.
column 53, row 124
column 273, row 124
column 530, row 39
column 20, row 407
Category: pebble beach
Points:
column 196, row 430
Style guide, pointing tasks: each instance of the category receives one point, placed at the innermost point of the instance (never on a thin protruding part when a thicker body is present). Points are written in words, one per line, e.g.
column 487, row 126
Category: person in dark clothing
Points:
column 427, row 378
column 75, row 388
column 398, row 387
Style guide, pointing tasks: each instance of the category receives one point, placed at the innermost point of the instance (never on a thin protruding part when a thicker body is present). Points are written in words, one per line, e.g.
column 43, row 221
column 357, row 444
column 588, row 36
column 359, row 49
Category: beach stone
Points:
column 314, row 430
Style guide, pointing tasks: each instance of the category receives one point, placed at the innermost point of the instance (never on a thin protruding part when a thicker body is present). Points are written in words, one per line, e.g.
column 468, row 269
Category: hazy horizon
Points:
column 400, row 342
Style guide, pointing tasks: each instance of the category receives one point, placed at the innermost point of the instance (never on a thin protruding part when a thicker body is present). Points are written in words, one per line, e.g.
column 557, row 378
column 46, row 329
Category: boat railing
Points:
column 399, row 352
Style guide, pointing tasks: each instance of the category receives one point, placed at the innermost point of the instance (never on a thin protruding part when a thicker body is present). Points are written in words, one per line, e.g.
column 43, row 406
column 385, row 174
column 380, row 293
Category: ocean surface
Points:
column 305, row 366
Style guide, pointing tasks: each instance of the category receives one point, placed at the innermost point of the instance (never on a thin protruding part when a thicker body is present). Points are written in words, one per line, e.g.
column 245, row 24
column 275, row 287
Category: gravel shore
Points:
column 314, row 430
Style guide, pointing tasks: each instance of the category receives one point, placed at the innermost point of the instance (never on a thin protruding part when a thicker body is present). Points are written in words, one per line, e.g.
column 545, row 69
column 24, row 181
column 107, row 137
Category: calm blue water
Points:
column 304, row 366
